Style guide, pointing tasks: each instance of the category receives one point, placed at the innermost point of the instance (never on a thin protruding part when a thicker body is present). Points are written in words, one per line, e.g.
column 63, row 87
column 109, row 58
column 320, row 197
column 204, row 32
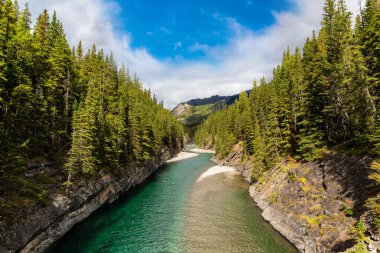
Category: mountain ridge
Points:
column 194, row 111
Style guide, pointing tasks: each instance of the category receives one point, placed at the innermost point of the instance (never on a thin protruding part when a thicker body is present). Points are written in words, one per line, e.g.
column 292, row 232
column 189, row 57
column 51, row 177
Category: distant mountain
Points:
column 194, row 111
column 206, row 101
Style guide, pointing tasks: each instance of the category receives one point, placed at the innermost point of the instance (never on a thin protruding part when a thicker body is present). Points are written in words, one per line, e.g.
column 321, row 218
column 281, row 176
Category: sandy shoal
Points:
column 216, row 170
column 181, row 156
column 199, row 150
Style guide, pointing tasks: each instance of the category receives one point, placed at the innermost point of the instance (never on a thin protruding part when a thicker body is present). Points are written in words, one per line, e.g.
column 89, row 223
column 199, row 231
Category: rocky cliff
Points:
column 193, row 112
column 43, row 225
column 182, row 111
column 314, row 205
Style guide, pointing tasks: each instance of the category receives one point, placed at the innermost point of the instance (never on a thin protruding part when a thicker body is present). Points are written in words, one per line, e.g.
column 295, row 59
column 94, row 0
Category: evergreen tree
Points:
column 61, row 105
column 369, row 34
column 81, row 156
column 246, row 122
column 323, row 97
column 259, row 155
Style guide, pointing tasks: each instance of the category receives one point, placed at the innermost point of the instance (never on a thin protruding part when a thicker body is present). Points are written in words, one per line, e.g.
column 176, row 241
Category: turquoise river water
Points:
column 173, row 212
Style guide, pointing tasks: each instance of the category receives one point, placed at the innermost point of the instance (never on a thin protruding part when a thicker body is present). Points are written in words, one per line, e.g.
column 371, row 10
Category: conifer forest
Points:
column 78, row 130
column 323, row 95
column 74, row 108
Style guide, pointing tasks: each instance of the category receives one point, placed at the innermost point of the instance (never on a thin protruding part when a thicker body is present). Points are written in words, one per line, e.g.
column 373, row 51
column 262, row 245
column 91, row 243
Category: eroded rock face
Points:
column 40, row 230
column 181, row 111
column 314, row 204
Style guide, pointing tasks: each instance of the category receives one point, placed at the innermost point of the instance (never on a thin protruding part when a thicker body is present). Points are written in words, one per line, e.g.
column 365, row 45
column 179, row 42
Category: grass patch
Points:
column 292, row 176
column 284, row 169
column 306, row 170
column 306, row 188
column 196, row 114
column 273, row 198
column 313, row 221
column 349, row 212
column 292, row 163
column 374, row 206
column 302, row 180
column 262, row 180
column 360, row 238
column 316, row 208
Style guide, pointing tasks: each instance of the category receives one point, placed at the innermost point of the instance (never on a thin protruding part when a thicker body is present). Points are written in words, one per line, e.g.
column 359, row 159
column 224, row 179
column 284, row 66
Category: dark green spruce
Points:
column 325, row 97
column 75, row 109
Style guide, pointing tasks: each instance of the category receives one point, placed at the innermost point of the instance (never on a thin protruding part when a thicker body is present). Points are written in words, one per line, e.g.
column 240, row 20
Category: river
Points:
column 173, row 212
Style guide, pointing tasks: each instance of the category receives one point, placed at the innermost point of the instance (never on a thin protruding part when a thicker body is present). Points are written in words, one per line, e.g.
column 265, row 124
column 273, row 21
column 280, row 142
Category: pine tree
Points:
column 369, row 34
column 58, row 85
column 246, row 122
column 259, row 155
column 282, row 81
column 58, row 103
column 81, row 155
column 8, row 27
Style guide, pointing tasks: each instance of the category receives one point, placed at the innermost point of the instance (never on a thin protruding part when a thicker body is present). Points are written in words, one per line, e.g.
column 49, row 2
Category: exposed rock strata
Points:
column 181, row 111
column 38, row 231
column 314, row 205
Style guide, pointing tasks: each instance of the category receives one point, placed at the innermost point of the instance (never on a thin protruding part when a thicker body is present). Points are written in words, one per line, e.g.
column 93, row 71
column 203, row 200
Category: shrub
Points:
column 302, row 180
column 360, row 238
column 273, row 198
column 349, row 212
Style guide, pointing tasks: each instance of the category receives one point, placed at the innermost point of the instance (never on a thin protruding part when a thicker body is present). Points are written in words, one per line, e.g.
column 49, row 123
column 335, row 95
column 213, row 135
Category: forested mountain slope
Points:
column 68, row 118
column 195, row 111
column 323, row 97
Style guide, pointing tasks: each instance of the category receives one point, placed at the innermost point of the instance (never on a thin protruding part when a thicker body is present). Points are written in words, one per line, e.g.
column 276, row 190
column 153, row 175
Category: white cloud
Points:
column 230, row 68
column 177, row 45
column 164, row 30
column 199, row 47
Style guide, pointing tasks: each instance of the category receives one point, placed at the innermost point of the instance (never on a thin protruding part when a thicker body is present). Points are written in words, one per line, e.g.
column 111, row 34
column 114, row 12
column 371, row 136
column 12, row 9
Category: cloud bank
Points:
column 227, row 69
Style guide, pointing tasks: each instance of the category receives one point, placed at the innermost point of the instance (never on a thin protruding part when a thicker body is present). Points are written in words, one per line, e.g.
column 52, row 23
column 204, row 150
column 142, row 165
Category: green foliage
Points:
column 376, row 222
column 273, row 198
column 325, row 96
column 375, row 137
column 355, row 146
column 292, row 176
column 375, row 166
column 302, row 180
column 313, row 221
column 374, row 203
column 69, row 107
column 360, row 238
column 349, row 212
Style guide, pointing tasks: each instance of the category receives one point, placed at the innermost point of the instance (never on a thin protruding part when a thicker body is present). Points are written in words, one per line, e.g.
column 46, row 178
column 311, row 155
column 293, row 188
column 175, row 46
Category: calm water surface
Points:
column 172, row 212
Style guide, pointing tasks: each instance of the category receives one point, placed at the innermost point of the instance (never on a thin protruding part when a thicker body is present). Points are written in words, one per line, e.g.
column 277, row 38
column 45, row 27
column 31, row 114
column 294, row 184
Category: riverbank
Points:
column 216, row 170
column 181, row 156
column 314, row 205
column 171, row 212
column 41, row 225
column 205, row 151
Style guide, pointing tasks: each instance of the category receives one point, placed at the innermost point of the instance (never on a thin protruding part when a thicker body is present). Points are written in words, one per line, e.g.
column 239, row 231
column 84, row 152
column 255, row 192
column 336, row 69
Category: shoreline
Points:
column 274, row 193
column 199, row 150
column 217, row 169
column 181, row 156
column 240, row 170
column 39, row 231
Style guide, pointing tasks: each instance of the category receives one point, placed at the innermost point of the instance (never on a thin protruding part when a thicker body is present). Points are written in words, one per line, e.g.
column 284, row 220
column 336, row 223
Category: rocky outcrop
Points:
column 236, row 160
column 181, row 111
column 314, row 205
column 38, row 231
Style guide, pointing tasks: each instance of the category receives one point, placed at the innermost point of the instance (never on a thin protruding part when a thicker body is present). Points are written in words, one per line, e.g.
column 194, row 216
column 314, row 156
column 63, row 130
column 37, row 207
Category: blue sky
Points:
column 179, row 29
column 185, row 49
